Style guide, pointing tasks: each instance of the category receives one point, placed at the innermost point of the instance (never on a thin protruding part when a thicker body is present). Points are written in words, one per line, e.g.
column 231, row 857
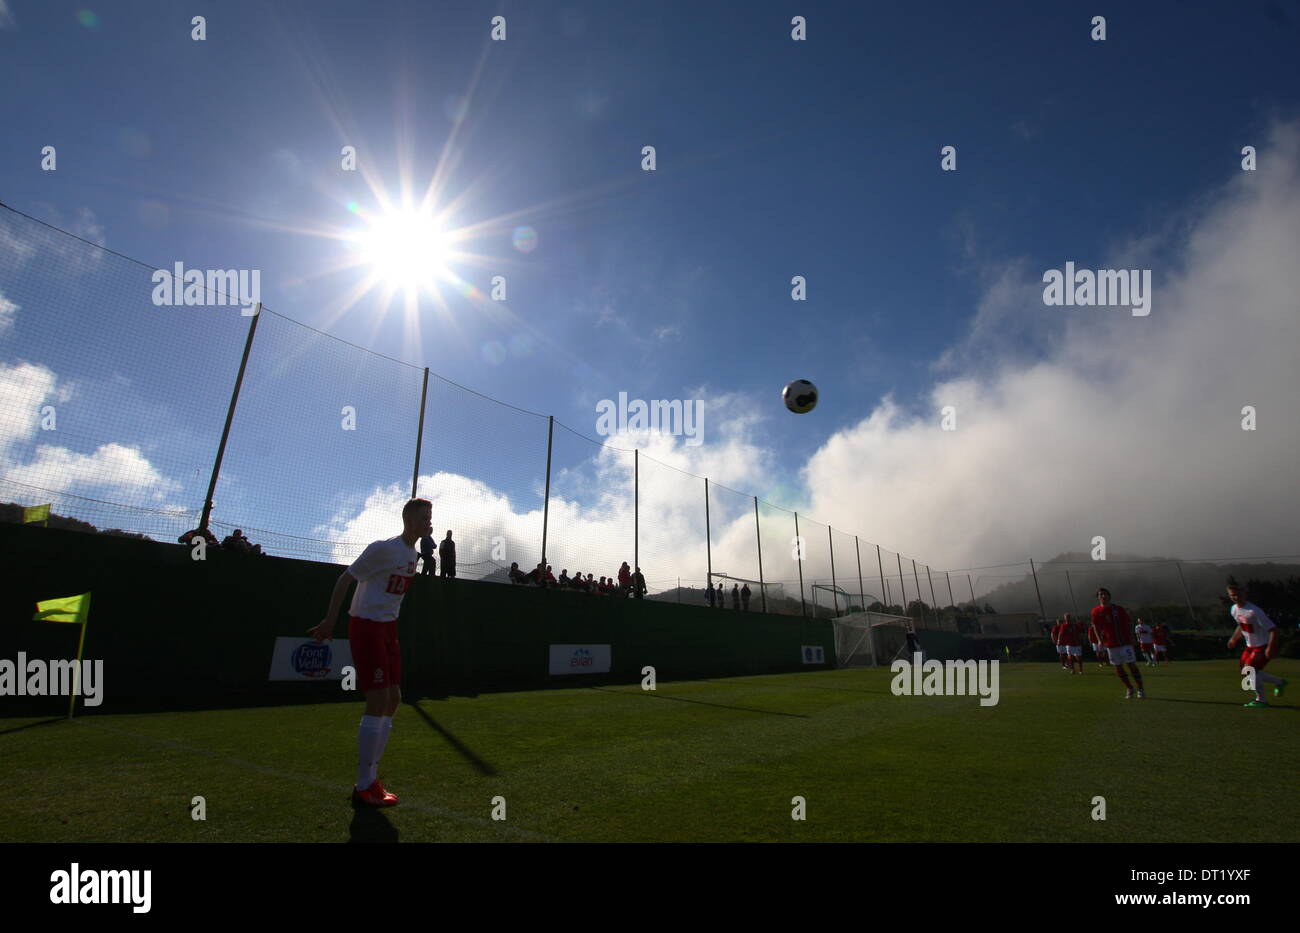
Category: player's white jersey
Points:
column 384, row 572
column 1255, row 625
column 1143, row 633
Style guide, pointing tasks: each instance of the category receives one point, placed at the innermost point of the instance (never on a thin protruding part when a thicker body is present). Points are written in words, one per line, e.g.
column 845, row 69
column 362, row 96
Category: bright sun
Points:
column 405, row 248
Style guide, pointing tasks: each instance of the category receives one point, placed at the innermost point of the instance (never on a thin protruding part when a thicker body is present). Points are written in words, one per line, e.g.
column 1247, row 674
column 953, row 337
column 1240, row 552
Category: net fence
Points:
column 116, row 380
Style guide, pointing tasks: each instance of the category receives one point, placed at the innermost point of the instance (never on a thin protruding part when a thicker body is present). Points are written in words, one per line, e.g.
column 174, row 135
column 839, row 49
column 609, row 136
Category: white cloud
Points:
column 113, row 468
column 8, row 311
column 7, row 20
column 22, row 239
column 25, row 388
column 18, row 249
column 1118, row 426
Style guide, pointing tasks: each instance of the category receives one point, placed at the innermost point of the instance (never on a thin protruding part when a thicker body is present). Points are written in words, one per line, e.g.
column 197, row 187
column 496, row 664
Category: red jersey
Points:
column 1093, row 637
column 1070, row 632
column 1113, row 624
column 1161, row 635
column 1056, row 632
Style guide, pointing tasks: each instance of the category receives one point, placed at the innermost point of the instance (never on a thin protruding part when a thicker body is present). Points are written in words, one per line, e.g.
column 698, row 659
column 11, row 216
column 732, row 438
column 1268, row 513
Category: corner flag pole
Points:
column 76, row 671
column 73, row 609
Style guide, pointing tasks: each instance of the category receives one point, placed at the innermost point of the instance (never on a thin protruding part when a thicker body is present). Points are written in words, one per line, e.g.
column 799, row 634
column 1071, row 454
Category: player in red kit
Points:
column 1097, row 648
column 1071, row 637
column 383, row 573
column 1061, row 654
column 1161, row 635
column 1116, row 630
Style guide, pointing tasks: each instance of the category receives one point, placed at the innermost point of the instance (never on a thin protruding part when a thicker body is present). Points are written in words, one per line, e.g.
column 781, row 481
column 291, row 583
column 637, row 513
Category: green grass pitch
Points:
column 716, row 760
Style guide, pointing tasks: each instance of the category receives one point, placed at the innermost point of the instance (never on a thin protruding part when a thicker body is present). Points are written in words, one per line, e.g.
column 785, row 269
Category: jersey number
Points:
column 397, row 584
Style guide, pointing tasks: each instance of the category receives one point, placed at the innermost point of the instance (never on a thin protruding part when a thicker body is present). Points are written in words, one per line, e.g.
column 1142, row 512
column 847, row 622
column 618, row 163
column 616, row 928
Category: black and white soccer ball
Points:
column 800, row 396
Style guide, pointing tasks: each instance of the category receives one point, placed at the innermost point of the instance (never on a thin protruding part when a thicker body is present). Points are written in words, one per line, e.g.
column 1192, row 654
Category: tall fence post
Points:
column 1070, row 587
column 230, row 417
column 901, row 586
column 798, row 543
column 1042, row 613
column 758, row 536
column 419, row 434
column 636, row 509
column 708, row 535
column 883, row 585
column 972, row 592
column 830, row 535
column 952, row 602
column 917, row 578
column 546, row 502
column 933, row 598
column 862, row 594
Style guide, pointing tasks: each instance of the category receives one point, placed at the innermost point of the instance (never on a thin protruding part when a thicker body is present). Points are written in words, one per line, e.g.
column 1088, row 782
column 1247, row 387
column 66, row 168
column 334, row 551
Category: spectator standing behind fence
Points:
column 735, row 596
column 624, row 579
column 426, row 554
column 564, row 578
column 516, row 575
column 638, row 584
column 744, row 597
column 447, row 551
column 708, row 594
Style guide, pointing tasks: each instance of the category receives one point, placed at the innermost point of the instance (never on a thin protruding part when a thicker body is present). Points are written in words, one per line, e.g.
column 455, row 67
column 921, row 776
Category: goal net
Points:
column 869, row 639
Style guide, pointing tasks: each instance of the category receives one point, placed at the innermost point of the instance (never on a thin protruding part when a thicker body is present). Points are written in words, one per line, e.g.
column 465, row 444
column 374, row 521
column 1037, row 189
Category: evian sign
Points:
column 579, row 659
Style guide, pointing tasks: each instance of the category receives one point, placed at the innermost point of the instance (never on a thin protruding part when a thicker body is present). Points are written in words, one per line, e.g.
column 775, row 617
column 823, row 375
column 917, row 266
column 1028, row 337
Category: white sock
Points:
column 370, row 739
column 1260, row 679
column 385, row 727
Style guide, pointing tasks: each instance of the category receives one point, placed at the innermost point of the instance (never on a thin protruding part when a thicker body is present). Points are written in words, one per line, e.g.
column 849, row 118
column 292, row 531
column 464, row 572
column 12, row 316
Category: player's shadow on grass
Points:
column 370, row 825
column 483, row 767
column 757, row 683
column 1213, row 702
column 33, row 725
column 664, row 696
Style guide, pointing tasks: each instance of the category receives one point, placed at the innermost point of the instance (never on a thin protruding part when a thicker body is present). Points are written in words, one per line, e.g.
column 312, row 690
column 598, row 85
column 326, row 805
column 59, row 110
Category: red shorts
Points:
column 375, row 653
column 1254, row 657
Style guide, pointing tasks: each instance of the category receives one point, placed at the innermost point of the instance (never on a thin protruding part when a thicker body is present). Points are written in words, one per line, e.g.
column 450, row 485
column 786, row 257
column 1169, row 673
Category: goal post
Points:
column 870, row 639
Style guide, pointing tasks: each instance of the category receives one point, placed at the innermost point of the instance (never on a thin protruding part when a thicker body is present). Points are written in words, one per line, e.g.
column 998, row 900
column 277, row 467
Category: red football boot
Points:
column 374, row 796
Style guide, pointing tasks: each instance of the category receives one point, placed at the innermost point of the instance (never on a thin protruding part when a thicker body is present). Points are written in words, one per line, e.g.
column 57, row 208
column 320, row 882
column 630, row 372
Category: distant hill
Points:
column 13, row 513
column 1156, row 581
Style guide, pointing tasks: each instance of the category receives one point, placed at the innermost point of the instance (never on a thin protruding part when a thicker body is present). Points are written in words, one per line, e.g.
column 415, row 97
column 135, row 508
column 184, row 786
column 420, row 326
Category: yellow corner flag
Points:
column 68, row 609
column 36, row 513
column 74, row 609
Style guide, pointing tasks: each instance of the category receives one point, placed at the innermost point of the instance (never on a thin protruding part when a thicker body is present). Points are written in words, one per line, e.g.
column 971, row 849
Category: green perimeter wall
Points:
column 178, row 633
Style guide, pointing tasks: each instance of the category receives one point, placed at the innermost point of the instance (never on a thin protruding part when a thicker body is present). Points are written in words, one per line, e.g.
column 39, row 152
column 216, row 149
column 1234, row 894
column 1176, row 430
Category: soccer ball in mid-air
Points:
column 800, row 396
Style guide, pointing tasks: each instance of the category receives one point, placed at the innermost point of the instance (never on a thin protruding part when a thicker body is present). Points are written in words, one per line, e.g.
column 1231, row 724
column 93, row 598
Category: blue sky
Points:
column 775, row 158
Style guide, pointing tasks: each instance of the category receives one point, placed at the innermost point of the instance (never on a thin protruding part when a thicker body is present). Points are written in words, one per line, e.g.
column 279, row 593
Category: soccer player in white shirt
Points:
column 1261, row 642
column 383, row 573
column 1146, row 641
